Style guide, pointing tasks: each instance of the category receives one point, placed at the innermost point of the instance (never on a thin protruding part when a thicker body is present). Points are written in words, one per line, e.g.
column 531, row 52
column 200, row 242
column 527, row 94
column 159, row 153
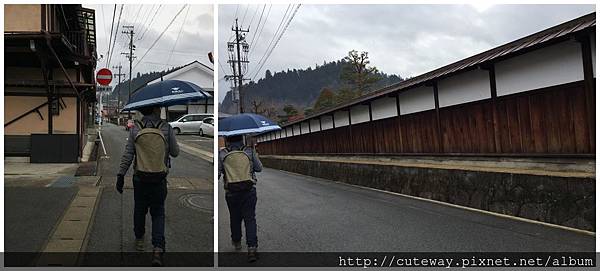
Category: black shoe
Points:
column 157, row 256
column 252, row 254
column 237, row 245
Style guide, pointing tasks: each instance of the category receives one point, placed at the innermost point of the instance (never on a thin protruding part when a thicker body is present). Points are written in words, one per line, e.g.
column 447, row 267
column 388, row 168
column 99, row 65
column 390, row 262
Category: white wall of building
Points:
column 314, row 125
column 296, row 129
column 550, row 66
column 327, row 122
column 384, row 108
column 199, row 76
column 416, row 100
column 289, row 131
column 304, row 126
column 359, row 113
column 341, row 118
column 464, row 87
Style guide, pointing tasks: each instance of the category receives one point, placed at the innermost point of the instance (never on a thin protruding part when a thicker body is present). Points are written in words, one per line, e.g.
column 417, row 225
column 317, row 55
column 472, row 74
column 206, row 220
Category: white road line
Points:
column 590, row 233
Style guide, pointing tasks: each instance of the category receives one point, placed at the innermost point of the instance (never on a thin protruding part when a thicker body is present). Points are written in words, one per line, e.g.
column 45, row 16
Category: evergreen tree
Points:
column 357, row 73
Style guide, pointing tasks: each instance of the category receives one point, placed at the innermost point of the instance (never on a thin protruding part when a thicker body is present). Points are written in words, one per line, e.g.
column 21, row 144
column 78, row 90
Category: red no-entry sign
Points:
column 104, row 77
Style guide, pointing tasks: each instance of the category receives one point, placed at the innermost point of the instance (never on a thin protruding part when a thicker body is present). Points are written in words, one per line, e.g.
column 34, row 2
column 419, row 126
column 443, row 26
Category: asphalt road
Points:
column 297, row 213
column 189, row 227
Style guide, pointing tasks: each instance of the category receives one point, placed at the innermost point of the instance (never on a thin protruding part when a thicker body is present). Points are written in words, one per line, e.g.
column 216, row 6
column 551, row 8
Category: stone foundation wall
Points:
column 558, row 200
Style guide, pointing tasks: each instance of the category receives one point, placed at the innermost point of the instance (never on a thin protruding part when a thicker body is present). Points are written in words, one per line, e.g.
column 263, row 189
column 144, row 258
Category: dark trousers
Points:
column 242, row 207
column 149, row 196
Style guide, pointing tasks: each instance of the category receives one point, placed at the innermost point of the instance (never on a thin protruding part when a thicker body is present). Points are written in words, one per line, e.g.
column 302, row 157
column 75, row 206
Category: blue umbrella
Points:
column 245, row 123
column 166, row 93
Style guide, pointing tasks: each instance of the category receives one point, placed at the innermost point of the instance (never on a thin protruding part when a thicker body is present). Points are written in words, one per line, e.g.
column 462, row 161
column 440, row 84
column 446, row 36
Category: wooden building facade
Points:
column 49, row 86
column 532, row 97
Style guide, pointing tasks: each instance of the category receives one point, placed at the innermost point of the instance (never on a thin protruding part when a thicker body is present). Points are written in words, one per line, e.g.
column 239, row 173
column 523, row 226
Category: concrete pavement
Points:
column 297, row 213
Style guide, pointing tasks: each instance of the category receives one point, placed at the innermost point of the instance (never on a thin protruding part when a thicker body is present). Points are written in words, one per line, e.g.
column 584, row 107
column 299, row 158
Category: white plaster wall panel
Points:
column 283, row 135
column 384, row 108
column 289, row 131
column 341, row 118
column 360, row 113
column 416, row 100
column 327, row 122
column 593, row 44
column 304, row 126
column 296, row 129
column 464, row 87
column 314, row 125
column 554, row 65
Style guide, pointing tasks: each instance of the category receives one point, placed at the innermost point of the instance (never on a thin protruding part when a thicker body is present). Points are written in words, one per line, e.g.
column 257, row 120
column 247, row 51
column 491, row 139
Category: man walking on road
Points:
column 151, row 141
column 238, row 164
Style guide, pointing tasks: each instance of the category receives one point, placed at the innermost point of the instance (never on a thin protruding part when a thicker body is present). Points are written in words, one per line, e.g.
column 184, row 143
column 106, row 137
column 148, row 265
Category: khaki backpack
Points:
column 150, row 153
column 236, row 165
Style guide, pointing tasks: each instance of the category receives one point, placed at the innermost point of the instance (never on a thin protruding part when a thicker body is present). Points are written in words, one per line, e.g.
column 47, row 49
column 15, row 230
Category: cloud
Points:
column 407, row 40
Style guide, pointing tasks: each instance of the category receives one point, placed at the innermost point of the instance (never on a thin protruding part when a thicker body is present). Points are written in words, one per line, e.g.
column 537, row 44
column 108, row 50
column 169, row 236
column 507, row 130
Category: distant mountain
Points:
column 300, row 88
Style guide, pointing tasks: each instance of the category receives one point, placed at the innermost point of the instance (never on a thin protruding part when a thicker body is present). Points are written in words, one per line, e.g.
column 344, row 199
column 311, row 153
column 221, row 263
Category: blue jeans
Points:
column 242, row 207
column 149, row 196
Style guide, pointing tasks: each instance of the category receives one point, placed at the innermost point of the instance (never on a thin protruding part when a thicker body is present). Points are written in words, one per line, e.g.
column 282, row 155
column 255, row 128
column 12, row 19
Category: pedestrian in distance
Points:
column 150, row 145
column 238, row 164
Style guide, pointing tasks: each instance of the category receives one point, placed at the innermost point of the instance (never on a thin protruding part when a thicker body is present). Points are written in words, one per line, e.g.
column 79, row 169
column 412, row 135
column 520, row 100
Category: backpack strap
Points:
column 139, row 124
column 161, row 123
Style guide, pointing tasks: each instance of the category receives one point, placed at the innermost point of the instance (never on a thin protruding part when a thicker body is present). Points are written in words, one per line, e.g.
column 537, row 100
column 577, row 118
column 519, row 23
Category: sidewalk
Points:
column 18, row 172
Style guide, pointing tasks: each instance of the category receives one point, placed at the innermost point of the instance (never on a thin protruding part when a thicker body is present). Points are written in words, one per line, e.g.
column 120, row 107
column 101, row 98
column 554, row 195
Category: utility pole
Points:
column 119, row 93
column 130, row 56
column 238, row 61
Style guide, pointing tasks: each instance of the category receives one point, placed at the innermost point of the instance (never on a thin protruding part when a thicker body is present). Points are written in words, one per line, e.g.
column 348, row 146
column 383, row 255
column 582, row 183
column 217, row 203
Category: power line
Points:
column 222, row 69
column 116, row 35
column 178, row 34
column 274, row 36
column 137, row 15
column 147, row 16
column 111, row 33
column 150, row 24
column 161, row 34
column 247, row 6
column 261, row 29
column 278, row 39
column 253, row 15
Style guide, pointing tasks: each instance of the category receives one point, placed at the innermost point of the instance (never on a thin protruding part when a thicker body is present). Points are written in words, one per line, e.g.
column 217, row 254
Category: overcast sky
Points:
column 195, row 41
column 406, row 40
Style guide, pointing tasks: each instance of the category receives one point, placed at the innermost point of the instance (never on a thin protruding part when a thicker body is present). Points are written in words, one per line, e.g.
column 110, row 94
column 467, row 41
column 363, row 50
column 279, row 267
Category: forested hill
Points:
column 299, row 88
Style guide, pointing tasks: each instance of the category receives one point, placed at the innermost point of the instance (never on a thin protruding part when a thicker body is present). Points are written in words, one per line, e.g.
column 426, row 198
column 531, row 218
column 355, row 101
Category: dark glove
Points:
column 120, row 183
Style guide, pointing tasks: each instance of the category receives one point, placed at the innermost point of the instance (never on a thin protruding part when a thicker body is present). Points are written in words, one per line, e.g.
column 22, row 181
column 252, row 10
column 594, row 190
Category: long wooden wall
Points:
column 553, row 120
